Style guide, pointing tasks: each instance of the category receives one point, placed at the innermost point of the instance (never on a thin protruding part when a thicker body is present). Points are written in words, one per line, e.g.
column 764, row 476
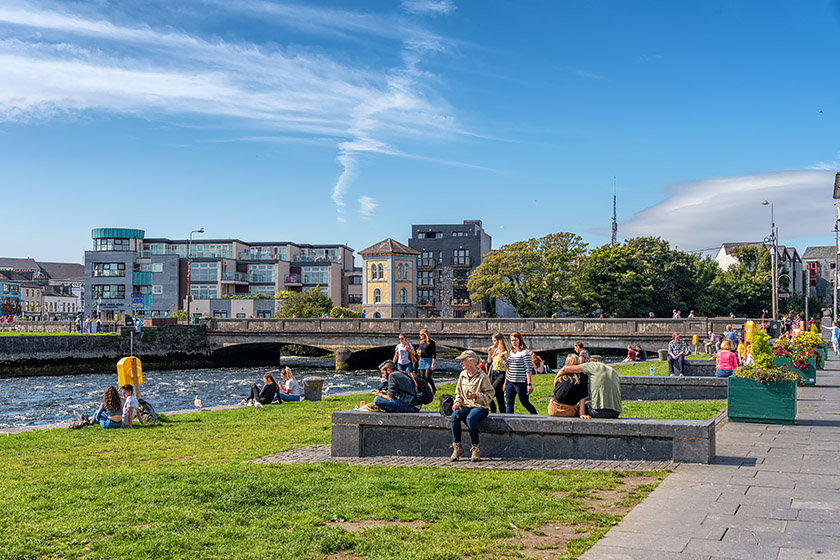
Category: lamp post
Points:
column 772, row 240
column 836, row 249
column 189, row 270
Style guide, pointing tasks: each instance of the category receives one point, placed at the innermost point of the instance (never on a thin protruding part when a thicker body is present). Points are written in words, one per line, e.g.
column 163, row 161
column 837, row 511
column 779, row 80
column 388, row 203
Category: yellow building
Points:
column 388, row 281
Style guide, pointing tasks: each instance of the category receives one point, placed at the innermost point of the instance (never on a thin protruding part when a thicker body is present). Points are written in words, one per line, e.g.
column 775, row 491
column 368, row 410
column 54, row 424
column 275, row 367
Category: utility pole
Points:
column 614, row 238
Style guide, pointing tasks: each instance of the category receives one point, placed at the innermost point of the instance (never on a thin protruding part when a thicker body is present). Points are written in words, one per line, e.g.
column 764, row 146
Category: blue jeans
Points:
column 511, row 392
column 679, row 361
column 106, row 422
column 723, row 372
column 287, row 398
column 395, row 405
column 469, row 416
column 404, row 367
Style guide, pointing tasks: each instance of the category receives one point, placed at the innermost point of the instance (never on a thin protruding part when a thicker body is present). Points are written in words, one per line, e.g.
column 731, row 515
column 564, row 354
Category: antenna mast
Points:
column 614, row 239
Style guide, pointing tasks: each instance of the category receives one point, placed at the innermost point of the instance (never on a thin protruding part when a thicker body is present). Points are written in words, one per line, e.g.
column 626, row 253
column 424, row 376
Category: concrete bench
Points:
column 658, row 388
column 427, row 434
column 698, row 368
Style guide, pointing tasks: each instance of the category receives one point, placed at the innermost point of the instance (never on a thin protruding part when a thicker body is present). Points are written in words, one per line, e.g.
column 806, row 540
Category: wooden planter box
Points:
column 809, row 376
column 770, row 403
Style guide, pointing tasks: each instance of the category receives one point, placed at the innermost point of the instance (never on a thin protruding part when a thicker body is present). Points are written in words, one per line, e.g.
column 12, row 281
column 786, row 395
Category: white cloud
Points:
column 367, row 207
column 429, row 6
column 56, row 62
column 705, row 213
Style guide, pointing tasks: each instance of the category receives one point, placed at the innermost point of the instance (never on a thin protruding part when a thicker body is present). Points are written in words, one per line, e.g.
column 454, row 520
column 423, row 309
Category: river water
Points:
column 26, row 401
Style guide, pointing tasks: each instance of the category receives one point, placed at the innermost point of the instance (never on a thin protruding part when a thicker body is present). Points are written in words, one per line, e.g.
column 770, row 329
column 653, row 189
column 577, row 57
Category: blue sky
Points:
column 346, row 122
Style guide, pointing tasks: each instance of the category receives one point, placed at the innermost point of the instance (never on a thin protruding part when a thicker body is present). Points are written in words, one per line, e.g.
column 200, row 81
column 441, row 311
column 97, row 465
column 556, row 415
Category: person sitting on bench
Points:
column 402, row 392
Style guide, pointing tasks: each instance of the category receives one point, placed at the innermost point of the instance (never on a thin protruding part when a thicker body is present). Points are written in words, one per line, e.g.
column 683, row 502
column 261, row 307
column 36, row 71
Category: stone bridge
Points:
column 346, row 336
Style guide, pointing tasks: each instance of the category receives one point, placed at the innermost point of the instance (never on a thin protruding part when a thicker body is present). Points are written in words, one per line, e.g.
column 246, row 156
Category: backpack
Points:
column 425, row 395
column 446, row 402
column 146, row 410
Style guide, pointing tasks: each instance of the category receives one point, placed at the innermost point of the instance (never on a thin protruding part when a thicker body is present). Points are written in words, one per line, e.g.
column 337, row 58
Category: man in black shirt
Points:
column 402, row 392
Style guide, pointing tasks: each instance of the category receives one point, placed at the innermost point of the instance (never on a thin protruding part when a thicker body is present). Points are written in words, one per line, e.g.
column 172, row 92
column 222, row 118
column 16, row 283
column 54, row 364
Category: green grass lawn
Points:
column 180, row 489
column 659, row 367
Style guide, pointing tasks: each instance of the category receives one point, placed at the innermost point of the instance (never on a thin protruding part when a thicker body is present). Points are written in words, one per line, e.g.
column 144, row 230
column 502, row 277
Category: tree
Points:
column 746, row 286
column 311, row 303
column 613, row 280
column 534, row 276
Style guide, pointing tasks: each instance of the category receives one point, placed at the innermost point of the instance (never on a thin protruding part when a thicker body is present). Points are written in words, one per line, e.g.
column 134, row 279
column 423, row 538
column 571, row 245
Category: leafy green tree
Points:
column 336, row 312
column 746, row 286
column 534, row 276
column 614, row 281
column 311, row 303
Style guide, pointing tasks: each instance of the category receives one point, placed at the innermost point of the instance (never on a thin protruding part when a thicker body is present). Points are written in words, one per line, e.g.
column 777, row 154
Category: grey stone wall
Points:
column 658, row 388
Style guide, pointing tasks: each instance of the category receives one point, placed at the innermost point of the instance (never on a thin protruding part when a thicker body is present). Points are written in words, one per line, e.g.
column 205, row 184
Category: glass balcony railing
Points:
column 234, row 277
column 293, row 279
column 248, row 256
column 260, row 277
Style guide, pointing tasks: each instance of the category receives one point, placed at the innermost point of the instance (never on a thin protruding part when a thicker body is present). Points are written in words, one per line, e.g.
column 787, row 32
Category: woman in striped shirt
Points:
column 519, row 371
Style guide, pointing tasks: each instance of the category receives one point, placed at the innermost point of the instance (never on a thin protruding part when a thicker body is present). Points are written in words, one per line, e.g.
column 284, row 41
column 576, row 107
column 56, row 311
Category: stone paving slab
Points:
column 321, row 453
column 772, row 493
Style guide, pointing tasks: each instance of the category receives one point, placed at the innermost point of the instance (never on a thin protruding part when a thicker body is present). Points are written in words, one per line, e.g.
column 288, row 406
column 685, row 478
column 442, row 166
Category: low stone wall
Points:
column 427, row 434
column 658, row 388
column 57, row 354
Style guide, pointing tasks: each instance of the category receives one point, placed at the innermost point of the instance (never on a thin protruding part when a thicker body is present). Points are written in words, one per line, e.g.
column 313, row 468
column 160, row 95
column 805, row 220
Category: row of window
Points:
column 377, row 296
column 31, row 292
column 439, row 234
column 112, row 244
column 377, row 272
column 10, row 288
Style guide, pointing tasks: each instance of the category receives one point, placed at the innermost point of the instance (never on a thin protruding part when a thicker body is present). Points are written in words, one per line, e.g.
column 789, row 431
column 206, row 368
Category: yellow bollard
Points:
column 130, row 371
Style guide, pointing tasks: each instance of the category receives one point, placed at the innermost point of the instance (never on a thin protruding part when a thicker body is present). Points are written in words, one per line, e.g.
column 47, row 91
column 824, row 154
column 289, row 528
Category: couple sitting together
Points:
column 576, row 381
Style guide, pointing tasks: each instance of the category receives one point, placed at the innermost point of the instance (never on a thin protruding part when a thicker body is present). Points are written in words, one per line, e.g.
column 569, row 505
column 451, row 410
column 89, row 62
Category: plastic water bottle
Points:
column 651, row 370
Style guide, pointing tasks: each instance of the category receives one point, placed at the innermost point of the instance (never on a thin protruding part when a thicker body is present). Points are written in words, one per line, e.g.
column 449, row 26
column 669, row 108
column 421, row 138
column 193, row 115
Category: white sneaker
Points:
column 244, row 402
column 77, row 415
column 257, row 404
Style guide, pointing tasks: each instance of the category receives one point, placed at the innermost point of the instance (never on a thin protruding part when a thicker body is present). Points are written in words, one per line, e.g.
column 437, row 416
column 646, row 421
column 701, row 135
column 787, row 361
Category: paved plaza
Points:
column 771, row 494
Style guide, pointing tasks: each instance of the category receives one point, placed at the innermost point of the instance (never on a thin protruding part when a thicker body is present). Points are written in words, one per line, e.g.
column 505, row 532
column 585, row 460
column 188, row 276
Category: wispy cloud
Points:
column 590, row 75
column 833, row 165
column 429, row 6
column 708, row 212
column 367, row 207
column 62, row 59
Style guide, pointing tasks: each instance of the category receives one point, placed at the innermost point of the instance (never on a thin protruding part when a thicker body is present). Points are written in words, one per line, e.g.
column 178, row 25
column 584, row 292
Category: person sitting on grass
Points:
column 289, row 389
column 641, row 354
column 570, row 392
column 604, row 389
column 109, row 413
column 131, row 408
column 402, row 392
column 473, row 395
column 259, row 397
column 631, row 355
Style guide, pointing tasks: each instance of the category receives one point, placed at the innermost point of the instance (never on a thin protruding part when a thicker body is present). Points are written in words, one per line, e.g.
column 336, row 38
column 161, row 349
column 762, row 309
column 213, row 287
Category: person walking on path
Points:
column 676, row 354
column 428, row 357
column 497, row 355
column 402, row 392
column 404, row 354
column 835, row 337
column 519, row 371
column 473, row 395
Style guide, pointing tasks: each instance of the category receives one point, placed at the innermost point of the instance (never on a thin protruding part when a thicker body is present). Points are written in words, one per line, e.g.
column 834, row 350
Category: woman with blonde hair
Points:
column 570, row 392
column 518, row 378
column 496, row 357
column 289, row 389
column 727, row 360
column 428, row 357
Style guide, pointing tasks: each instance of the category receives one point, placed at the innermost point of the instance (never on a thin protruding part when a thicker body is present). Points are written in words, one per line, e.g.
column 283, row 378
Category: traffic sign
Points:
column 137, row 305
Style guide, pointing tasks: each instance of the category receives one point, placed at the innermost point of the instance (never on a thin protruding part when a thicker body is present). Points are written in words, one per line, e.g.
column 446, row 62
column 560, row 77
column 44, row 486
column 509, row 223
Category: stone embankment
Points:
column 167, row 346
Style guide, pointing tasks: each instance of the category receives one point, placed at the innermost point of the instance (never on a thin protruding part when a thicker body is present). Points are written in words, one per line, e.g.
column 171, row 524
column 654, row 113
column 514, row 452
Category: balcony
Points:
column 462, row 262
column 256, row 278
column 425, row 302
column 459, row 282
column 293, row 279
column 319, row 259
column 234, row 278
column 460, row 303
column 248, row 256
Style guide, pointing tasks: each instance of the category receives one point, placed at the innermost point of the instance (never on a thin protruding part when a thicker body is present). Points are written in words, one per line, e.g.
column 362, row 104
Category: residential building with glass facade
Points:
column 127, row 271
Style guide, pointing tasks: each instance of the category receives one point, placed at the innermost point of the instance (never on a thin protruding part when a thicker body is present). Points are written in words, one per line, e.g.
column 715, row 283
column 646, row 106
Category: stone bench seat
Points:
column 659, row 388
column 427, row 434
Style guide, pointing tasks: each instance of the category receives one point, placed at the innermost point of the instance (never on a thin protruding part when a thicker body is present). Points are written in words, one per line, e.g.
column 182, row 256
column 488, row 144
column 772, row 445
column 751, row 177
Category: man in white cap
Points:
column 473, row 395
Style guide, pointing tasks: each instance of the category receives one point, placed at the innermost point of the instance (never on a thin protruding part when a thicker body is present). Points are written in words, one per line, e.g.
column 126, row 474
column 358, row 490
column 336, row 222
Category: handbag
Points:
column 446, row 402
column 412, row 355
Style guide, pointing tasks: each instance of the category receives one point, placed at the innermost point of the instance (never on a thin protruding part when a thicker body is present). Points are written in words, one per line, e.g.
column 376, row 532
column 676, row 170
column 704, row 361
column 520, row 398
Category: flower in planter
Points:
column 768, row 374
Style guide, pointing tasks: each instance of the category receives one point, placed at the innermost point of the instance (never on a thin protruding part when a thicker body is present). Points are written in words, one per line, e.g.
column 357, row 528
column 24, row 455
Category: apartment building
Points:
column 448, row 255
column 127, row 272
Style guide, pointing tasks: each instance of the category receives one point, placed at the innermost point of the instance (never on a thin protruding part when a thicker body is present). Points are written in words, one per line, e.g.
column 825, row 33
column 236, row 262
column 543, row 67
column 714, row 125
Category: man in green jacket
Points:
column 604, row 389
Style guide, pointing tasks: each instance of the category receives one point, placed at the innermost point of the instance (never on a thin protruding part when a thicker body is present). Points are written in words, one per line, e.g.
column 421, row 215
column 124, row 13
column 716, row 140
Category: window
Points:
column 204, row 272
column 108, row 291
column 108, row 269
column 372, row 271
column 425, row 297
column 266, row 290
column 431, row 235
column 461, row 256
column 220, row 314
column 264, row 314
column 157, row 267
column 400, row 272
column 354, row 298
column 111, row 245
column 377, row 296
column 157, row 290
column 427, row 258
column 460, row 234
column 354, row 280
column 403, row 296
column 316, row 275
column 203, row 291
column 425, row 278
column 404, row 271
column 261, row 272
column 240, row 315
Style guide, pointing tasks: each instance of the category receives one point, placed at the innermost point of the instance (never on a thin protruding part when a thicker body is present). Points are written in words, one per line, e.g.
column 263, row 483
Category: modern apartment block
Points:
column 448, row 254
column 128, row 272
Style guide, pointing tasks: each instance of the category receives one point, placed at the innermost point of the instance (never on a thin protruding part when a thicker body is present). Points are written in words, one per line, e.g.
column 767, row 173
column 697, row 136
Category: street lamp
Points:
column 189, row 269
column 772, row 240
column 836, row 250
